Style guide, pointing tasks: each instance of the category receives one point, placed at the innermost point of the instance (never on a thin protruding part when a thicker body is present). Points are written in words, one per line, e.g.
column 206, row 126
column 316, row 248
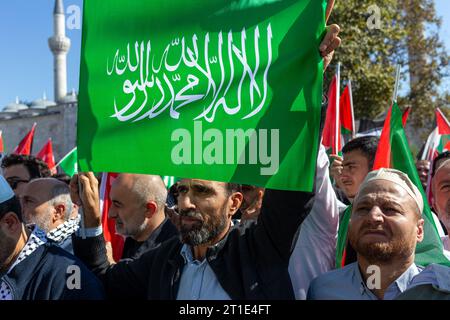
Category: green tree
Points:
column 379, row 35
column 427, row 60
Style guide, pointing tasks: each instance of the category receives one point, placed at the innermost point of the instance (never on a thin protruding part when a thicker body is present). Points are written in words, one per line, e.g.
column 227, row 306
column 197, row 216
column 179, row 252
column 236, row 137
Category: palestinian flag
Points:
column 346, row 113
column 109, row 224
column 331, row 136
column 69, row 162
column 393, row 152
column 438, row 140
column 1, row 145
column 405, row 115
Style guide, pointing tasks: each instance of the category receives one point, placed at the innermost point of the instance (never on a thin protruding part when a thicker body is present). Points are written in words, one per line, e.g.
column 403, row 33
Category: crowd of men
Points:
column 220, row 240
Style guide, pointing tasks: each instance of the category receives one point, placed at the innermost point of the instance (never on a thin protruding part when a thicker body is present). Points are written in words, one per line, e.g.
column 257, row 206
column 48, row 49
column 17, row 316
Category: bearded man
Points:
column 386, row 224
column 210, row 259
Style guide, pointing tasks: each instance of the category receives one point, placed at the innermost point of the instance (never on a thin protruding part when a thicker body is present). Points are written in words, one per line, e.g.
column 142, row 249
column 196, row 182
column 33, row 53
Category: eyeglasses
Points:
column 13, row 183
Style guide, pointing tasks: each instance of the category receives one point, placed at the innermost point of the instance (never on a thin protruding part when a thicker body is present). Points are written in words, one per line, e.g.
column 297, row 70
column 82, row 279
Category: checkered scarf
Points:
column 65, row 230
column 36, row 239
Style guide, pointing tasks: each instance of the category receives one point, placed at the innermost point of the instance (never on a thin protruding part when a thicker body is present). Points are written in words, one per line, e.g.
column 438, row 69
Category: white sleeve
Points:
column 315, row 249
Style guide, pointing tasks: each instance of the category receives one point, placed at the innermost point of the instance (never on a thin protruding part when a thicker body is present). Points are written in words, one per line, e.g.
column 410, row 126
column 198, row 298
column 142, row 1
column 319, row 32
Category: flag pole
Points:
column 351, row 106
column 397, row 82
column 64, row 158
column 338, row 95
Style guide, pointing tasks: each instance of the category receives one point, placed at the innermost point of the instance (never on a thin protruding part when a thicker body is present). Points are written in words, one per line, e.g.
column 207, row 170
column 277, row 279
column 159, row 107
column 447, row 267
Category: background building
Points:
column 55, row 119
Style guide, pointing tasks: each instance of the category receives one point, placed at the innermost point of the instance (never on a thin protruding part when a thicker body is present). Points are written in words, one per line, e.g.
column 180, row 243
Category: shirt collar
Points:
column 405, row 279
column 186, row 253
column 401, row 283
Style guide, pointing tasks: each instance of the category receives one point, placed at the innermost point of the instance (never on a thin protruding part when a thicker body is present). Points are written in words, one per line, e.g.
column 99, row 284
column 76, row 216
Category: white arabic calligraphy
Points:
column 166, row 78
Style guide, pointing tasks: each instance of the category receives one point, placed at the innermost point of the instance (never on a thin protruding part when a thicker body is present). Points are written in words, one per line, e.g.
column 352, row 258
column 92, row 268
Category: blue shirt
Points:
column 347, row 284
column 198, row 281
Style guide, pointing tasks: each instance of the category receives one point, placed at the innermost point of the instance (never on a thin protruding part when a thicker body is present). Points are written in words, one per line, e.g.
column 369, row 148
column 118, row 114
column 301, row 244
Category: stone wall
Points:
column 58, row 122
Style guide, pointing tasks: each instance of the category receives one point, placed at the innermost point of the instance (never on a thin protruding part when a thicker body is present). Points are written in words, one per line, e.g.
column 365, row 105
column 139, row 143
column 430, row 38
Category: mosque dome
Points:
column 42, row 103
column 70, row 98
column 15, row 106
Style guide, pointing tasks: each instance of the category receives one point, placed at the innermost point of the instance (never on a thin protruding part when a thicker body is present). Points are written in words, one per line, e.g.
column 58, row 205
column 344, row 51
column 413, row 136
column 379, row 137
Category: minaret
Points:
column 59, row 45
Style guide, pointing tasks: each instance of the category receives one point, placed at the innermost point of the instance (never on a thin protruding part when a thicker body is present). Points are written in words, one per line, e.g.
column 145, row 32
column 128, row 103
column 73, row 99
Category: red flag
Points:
column 442, row 122
column 109, row 225
column 332, row 130
column 405, row 115
column 346, row 109
column 26, row 144
column 1, row 142
column 46, row 155
column 383, row 155
column 447, row 146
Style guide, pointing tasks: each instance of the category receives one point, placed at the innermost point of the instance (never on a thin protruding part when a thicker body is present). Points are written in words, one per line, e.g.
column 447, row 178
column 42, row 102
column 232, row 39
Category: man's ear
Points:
column 236, row 201
column 11, row 224
column 59, row 212
column 330, row 5
column 420, row 224
column 151, row 207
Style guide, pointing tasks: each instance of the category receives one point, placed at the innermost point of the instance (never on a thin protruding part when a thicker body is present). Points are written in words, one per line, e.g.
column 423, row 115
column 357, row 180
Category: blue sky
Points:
column 26, row 63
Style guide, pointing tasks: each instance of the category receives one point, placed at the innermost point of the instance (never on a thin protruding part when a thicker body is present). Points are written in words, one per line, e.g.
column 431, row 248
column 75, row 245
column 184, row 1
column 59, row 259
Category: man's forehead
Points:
column 16, row 170
column 443, row 169
column 443, row 174
column 423, row 162
column 354, row 155
column 210, row 183
column 379, row 189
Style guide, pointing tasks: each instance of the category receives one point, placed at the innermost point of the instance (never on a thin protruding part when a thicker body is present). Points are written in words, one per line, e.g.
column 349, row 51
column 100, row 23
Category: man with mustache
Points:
column 210, row 259
column 385, row 226
column 423, row 169
column 350, row 171
column 32, row 268
column 137, row 205
column 46, row 202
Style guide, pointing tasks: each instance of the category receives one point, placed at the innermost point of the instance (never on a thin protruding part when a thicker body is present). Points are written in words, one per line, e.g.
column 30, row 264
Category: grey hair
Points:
column 150, row 188
column 60, row 193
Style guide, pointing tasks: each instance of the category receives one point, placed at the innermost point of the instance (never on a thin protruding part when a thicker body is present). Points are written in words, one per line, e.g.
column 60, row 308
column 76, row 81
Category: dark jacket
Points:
column 65, row 244
column 133, row 249
column 48, row 274
column 251, row 262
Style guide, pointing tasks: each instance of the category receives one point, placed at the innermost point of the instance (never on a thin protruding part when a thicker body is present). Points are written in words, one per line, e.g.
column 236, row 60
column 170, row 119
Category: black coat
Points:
column 251, row 262
column 45, row 274
column 133, row 249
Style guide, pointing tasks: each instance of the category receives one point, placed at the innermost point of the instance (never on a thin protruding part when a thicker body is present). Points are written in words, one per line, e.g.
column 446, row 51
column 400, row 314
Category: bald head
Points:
column 145, row 187
column 137, row 204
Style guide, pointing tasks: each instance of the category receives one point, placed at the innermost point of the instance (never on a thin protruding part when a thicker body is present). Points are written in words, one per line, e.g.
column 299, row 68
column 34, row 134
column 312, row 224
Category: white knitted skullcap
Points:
column 399, row 178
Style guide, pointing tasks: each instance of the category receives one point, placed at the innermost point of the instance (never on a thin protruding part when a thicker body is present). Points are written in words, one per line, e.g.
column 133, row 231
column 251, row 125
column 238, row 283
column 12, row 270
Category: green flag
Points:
column 220, row 90
column 69, row 163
